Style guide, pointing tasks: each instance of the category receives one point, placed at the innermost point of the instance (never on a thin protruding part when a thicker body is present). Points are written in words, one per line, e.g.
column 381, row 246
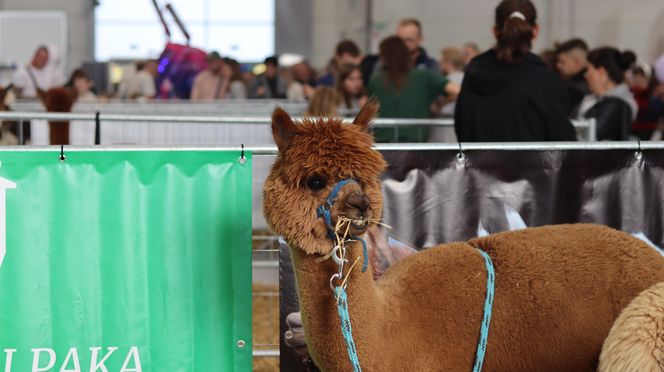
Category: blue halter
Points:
column 324, row 211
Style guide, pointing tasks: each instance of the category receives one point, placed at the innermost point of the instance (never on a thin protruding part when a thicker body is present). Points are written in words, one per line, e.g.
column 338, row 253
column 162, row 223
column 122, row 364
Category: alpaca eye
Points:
column 316, row 182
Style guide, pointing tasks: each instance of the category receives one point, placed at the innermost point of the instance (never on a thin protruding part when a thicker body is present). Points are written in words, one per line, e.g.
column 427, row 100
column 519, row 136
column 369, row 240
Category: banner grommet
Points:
column 242, row 158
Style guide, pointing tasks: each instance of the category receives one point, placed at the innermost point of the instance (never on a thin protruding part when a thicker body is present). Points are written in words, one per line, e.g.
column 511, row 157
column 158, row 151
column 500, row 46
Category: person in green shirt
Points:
column 405, row 92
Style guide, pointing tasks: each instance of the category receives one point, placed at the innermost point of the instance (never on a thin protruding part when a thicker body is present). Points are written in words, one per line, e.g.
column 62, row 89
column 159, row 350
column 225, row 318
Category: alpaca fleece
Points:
column 558, row 288
column 636, row 340
column 58, row 100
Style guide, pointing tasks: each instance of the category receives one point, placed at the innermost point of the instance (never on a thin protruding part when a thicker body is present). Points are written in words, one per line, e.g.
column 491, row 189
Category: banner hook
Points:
column 242, row 159
column 460, row 155
column 639, row 153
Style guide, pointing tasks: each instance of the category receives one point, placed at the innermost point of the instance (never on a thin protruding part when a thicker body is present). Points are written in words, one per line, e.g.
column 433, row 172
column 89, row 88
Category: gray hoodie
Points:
column 621, row 91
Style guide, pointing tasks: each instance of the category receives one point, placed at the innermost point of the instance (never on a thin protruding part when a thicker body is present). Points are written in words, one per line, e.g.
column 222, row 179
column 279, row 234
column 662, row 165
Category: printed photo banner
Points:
column 432, row 197
column 125, row 261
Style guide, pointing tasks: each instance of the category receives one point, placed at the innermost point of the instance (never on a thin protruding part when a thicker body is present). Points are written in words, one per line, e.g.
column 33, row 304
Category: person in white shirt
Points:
column 211, row 84
column 451, row 65
column 142, row 84
column 37, row 76
column 81, row 83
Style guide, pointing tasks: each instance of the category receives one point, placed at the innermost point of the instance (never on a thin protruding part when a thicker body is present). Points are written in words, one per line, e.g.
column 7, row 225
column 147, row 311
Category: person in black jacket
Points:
column 571, row 63
column 508, row 93
column 614, row 108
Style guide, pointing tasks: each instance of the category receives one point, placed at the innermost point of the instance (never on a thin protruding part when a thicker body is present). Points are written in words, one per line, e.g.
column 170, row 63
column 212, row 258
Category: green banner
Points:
column 125, row 261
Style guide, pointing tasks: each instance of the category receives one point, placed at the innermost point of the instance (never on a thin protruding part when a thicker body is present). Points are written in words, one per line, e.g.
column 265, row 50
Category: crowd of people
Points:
column 506, row 93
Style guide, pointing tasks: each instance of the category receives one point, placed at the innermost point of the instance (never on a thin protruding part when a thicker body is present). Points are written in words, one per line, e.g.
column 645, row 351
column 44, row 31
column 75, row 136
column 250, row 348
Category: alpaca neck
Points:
column 319, row 308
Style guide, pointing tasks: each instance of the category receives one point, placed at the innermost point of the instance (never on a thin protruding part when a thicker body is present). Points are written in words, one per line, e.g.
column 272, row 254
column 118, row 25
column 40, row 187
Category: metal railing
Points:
column 588, row 125
column 269, row 350
column 258, row 120
column 466, row 146
column 265, row 268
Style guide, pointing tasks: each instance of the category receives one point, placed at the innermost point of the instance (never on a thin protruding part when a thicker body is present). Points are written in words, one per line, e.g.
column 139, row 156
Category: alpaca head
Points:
column 313, row 156
column 59, row 99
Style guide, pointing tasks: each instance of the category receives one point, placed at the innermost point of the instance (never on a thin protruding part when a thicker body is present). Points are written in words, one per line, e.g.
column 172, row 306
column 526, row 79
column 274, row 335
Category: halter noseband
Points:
column 324, row 211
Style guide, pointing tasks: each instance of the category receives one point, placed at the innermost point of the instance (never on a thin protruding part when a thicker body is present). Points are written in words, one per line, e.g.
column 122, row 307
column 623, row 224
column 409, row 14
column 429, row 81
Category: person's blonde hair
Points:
column 454, row 56
column 412, row 21
column 325, row 102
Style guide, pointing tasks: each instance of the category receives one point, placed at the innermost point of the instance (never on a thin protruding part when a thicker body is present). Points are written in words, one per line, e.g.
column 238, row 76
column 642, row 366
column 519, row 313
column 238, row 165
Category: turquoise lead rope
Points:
column 346, row 329
column 342, row 307
column 488, row 306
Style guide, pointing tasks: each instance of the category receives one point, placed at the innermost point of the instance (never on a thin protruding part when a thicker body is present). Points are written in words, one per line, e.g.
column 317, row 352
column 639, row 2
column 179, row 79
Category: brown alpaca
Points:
column 58, row 100
column 636, row 340
column 558, row 289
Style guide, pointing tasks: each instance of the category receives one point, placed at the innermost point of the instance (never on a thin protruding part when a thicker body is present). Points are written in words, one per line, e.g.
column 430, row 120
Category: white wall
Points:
column 333, row 20
column 80, row 24
column 292, row 24
column 635, row 24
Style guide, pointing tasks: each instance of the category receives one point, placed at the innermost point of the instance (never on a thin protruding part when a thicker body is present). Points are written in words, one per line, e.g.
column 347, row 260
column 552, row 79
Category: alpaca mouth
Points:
column 347, row 226
column 357, row 226
column 361, row 224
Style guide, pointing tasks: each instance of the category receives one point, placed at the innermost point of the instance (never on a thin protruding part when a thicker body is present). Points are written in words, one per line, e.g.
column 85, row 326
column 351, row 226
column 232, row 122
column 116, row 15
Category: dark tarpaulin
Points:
column 432, row 197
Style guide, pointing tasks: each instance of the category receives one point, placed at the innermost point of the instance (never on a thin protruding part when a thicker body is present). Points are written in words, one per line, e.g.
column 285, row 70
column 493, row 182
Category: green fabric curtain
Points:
column 125, row 261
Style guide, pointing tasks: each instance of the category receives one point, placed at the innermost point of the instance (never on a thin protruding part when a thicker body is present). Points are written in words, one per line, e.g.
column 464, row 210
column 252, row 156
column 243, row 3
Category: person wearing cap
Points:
column 210, row 84
column 642, row 85
column 508, row 93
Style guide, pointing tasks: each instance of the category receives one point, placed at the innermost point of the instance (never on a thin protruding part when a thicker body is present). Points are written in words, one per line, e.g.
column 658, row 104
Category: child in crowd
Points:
column 82, row 85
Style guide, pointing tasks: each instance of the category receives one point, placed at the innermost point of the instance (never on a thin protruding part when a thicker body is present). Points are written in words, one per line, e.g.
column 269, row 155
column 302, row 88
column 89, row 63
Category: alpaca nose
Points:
column 358, row 201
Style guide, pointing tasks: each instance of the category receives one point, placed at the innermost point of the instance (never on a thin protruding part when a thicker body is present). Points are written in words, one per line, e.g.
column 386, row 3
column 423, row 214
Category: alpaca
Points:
column 558, row 289
column 636, row 340
column 59, row 100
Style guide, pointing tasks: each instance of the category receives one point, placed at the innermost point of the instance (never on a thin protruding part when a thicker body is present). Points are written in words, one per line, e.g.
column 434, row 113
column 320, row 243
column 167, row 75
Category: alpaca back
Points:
column 558, row 291
column 560, row 288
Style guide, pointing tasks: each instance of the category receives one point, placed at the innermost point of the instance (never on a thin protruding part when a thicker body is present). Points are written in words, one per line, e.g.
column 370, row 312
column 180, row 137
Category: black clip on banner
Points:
column 242, row 158
column 97, row 129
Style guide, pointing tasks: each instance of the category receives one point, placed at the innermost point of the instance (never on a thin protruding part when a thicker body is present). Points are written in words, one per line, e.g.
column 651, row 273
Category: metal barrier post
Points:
column 97, row 129
column 592, row 129
column 21, row 140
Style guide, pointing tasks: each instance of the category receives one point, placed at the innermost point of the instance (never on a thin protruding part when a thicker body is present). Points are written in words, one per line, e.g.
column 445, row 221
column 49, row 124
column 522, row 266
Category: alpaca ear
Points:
column 367, row 114
column 283, row 128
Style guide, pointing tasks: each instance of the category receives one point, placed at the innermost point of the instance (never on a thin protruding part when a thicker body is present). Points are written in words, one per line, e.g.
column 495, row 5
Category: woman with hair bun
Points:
column 508, row 93
column 611, row 102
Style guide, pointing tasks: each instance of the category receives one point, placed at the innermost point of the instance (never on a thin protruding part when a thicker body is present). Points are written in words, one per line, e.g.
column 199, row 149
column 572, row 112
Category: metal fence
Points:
column 265, row 251
column 175, row 107
column 227, row 130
